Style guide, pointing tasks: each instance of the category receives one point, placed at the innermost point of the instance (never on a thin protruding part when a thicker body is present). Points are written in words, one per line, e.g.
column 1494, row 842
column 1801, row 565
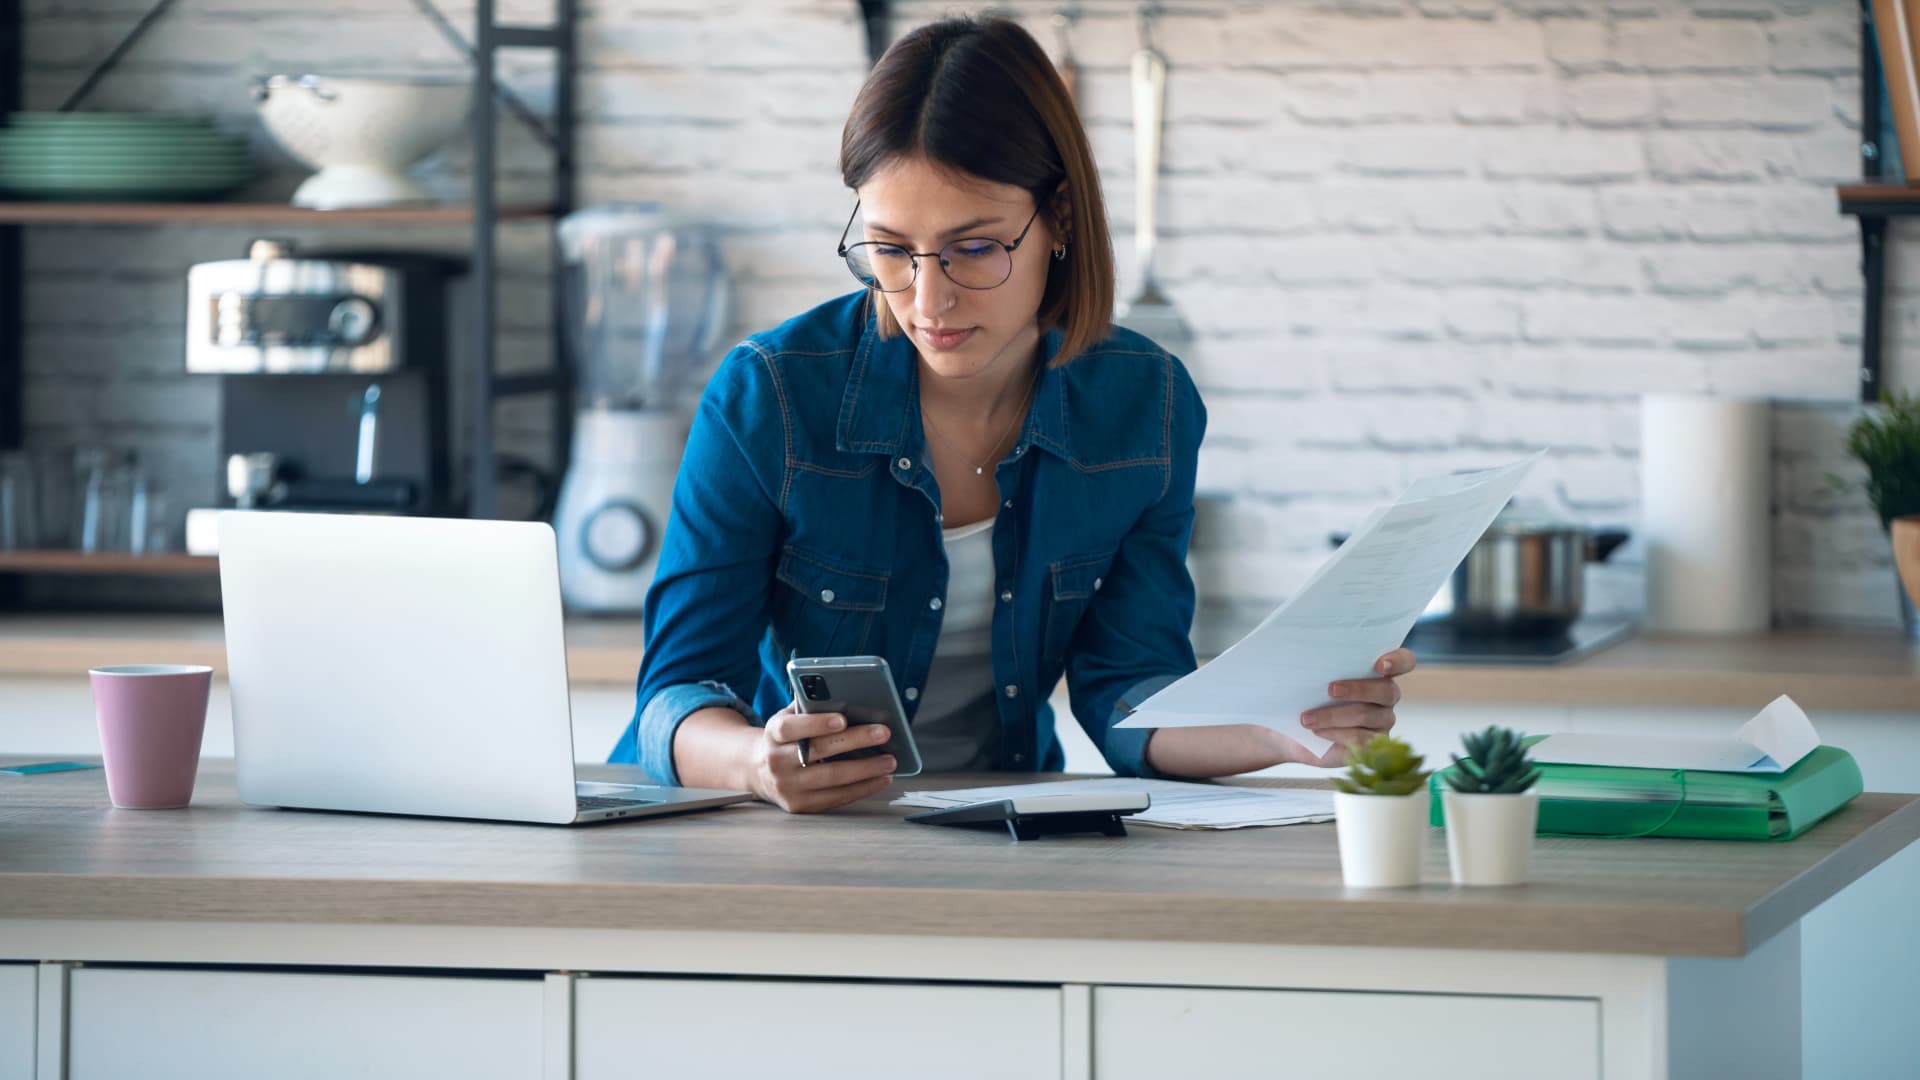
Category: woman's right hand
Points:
column 779, row 777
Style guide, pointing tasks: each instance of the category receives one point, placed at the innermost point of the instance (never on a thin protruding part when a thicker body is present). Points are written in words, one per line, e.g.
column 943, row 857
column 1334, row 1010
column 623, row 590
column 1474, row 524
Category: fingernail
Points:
column 1307, row 720
column 1383, row 667
column 890, row 762
column 879, row 733
column 836, row 723
column 1336, row 690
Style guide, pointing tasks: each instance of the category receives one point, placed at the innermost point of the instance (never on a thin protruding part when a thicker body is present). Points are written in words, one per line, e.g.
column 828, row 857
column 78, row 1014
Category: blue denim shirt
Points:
column 805, row 518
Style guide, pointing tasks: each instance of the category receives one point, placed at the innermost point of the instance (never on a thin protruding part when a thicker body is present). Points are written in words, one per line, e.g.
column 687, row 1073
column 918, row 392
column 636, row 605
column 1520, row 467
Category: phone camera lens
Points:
column 814, row 686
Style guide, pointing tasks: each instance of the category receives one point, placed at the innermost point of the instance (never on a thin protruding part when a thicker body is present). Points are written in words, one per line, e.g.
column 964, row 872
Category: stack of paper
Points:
column 1176, row 805
column 1773, row 741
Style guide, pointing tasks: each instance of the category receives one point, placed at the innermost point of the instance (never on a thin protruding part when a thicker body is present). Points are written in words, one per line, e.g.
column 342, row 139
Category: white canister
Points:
column 1706, row 472
column 1490, row 837
column 1383, row 838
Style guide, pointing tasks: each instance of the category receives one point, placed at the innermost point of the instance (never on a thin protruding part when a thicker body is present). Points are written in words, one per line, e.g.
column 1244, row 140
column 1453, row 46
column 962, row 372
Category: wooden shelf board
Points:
column 85, row 213
column 1879, row 199
column 75, row 562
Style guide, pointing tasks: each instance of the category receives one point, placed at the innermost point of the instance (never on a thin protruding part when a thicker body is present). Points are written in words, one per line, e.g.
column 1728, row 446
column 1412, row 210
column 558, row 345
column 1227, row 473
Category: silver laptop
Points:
column 408, row 666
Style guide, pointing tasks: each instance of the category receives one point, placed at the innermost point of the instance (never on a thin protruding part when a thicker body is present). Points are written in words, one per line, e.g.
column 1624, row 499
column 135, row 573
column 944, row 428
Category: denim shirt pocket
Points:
column 828, row 606
column 1071, row 583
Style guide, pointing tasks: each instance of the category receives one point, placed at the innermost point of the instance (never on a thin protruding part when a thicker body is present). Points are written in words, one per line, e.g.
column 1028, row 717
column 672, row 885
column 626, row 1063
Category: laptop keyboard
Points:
column 602, row 802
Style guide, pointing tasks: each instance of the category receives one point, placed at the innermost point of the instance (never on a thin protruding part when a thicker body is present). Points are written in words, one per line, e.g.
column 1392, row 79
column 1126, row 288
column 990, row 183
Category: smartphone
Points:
column 861, row 689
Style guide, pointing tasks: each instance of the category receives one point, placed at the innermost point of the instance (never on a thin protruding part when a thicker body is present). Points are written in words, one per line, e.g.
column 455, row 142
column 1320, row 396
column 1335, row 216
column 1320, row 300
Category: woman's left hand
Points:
column 1365, row 708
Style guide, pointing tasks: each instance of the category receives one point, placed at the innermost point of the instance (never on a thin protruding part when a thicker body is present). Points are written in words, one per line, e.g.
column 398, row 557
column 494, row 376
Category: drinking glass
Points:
column 19, row 503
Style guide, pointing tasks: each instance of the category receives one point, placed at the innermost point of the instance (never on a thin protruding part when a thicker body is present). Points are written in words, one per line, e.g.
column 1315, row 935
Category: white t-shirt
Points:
column 957, row 725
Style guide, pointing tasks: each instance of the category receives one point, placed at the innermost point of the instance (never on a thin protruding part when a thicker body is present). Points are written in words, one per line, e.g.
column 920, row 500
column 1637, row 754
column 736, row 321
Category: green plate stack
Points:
column 98, row 156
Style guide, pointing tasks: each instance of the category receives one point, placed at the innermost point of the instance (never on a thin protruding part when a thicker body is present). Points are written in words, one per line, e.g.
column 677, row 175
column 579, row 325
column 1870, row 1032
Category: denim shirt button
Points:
column 826, row 596
column 1097, row 582
column 905, row 464
column 913, row 693
column 1008, row 504
column 1012, row 690
column 934, row 603
column 1006, row 596
column 1019, row 759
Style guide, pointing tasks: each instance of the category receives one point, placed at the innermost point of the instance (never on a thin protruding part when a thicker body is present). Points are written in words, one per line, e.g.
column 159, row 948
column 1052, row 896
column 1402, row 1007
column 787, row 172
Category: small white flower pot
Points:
column 1489, row 837
column 1383, row 838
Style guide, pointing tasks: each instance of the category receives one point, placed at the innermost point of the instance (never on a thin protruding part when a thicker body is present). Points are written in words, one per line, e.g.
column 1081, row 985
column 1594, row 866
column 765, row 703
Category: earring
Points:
column 1060, row 252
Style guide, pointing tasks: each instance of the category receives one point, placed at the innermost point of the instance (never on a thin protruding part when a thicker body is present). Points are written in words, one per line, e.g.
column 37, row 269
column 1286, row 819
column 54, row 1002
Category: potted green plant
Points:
column 1887, row 441
column 1380, row 813
column 1491, row 808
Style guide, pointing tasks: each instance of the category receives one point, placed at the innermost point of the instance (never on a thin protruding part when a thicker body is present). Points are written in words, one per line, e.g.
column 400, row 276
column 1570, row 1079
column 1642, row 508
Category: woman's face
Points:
column 960, row 333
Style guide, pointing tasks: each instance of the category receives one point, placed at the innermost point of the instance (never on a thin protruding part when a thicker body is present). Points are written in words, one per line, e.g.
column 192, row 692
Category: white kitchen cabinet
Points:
column 1152, row 1033
column 691, row 1029
column 19, row 988
column 160, row 1023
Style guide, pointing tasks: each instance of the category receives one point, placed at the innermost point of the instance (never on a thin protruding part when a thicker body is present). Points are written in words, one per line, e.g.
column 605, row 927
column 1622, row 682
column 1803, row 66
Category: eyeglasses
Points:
column 973, row 262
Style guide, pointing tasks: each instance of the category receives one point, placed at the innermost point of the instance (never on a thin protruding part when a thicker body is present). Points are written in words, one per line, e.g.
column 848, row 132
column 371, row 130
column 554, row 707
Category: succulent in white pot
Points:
column 1491, row 808
column 1380, row 814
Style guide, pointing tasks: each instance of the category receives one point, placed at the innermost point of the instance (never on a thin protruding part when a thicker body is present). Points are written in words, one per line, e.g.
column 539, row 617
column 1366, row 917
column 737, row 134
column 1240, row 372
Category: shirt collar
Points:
column 880, row 412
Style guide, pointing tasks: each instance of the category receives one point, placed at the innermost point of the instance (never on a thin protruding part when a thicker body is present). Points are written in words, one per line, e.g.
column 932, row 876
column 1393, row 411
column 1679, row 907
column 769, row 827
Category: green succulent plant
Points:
column 1887, row 441
column 1383, row 765
column 1496, row 764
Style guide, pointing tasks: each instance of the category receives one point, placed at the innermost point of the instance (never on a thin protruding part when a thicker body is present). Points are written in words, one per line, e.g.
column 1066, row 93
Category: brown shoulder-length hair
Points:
column 979, row 96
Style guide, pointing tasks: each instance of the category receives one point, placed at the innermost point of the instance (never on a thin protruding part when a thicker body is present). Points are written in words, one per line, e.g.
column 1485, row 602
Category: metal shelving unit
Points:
column 490, row 39
column 12, row 285
column 13, row 416
column 484, row 216
column 1872, row 203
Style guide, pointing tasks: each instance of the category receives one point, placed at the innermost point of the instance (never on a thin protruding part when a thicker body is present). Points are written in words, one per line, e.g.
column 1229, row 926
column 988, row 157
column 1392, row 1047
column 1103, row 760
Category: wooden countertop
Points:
column 69, row 855
column 1832, row 670
column 1821, row 669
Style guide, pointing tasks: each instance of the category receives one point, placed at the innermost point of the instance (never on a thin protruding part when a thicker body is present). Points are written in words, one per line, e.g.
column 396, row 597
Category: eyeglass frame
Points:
column 916, row 256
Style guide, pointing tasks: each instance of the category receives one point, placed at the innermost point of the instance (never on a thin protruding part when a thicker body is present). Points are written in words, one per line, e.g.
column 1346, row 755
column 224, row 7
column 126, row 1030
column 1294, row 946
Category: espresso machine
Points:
column 646, row 293
column 334, row 381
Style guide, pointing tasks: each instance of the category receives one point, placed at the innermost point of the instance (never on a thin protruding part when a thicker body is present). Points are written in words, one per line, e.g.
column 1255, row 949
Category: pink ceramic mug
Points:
column 151, row 719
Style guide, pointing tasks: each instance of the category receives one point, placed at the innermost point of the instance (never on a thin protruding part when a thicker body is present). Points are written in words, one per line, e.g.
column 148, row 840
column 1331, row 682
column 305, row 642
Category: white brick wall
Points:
column 1411, row 234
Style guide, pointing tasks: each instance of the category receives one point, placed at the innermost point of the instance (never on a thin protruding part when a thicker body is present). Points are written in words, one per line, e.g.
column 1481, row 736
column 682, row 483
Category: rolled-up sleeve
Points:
column 1135, row 637
column 708, row 606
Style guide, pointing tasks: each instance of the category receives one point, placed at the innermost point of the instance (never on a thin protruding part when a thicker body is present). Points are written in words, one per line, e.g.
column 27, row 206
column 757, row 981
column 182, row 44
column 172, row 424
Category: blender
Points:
column 646, row 297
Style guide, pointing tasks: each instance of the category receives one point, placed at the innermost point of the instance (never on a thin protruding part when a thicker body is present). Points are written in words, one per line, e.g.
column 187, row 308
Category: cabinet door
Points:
column 691, row 1029
column 215, row 1025
column 1142, row 1032
column 19, row 1002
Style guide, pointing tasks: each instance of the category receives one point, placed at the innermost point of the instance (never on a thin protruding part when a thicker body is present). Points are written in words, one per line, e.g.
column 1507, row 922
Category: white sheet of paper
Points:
column 1355, row 609
column 1176, row 805
column 1777, row 737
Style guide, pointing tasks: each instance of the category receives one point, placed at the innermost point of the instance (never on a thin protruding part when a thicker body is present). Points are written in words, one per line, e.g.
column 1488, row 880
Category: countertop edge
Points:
column 1142, row 917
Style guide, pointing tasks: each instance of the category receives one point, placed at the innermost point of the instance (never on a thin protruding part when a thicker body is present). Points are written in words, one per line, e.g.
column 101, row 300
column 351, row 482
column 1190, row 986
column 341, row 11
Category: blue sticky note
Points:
column 45, row 766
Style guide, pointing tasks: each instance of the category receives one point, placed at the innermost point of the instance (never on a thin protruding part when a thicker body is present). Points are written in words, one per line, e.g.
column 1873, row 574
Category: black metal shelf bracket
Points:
column 115, row 55
column 876, row 17
column 1872, row 218
column 487, row 386
column 558, row 37
column 13, row 338
column 12, row 264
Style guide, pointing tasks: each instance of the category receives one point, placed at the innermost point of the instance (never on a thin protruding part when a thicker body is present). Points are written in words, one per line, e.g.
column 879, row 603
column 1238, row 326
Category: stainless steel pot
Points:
column 1524, row 577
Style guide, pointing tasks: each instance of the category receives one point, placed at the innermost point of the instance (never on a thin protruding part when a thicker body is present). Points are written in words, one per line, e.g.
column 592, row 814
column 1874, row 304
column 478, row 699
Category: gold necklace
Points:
column 980, row 469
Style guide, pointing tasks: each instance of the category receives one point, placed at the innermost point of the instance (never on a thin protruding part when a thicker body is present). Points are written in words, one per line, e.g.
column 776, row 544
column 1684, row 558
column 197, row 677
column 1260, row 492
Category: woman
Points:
column 961, row 467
